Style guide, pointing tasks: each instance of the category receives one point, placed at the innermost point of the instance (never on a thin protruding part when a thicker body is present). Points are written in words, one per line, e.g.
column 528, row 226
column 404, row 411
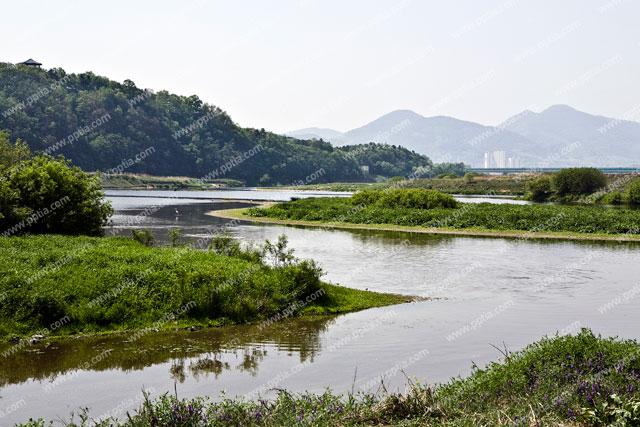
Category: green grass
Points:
column 568, row 380
column 141, row 181
column 583, row 220
column 77, row 285
column 503, row 185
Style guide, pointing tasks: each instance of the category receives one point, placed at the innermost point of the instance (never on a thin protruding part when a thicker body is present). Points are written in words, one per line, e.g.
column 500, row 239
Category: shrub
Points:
column 613, row 198
column 539, row 190
column 174, row 237
column 468, row 177
column 143, row 236
column 578, row 181
column 47, row 195
column 633, row 192
column 416, row 198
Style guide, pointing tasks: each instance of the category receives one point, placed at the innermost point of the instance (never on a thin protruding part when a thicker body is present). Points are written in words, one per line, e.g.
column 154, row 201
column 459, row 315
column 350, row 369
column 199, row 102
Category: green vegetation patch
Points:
column 468, row 216
column 69, row 285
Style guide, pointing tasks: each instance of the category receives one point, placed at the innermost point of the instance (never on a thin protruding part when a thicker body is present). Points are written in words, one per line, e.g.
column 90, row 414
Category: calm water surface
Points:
column 490, row 291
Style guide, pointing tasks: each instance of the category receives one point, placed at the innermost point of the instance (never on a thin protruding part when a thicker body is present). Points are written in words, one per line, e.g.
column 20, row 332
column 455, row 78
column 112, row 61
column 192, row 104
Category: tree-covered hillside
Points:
column 104, row 125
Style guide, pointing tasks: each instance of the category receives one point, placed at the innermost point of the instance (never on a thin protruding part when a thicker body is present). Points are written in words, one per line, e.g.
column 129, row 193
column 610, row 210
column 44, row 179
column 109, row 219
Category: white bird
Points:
column 177, row 213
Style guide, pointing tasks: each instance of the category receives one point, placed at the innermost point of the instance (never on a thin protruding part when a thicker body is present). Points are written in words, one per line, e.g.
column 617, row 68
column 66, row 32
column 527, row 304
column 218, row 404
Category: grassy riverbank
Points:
column 502, row 185
column 63, row 285
column 466, row 218
column 567, row 380
column 150, row 182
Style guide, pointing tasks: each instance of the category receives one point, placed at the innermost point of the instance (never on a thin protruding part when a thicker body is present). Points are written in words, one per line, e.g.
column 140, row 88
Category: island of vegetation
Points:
column 58, row 276
column 424, row 210
column 562, row 381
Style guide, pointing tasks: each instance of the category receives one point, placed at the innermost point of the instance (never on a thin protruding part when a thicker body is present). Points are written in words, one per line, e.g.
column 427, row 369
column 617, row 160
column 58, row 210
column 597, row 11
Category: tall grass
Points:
column 68, row 285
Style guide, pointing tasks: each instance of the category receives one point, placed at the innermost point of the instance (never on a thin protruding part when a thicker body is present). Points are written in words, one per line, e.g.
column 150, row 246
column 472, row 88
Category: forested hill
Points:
column 101, row 124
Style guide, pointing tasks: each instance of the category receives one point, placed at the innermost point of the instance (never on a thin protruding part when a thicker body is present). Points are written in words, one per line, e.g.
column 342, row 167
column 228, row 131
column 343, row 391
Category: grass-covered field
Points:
column 583, row 220
column 569, row 380
column 146, row 182
column 502, row 185
column 63, row 285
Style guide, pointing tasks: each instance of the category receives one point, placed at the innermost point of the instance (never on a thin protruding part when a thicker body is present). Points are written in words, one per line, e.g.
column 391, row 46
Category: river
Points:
column 505, row 292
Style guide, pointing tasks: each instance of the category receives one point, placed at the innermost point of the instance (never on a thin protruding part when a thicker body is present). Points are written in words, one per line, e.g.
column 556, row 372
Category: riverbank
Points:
column 562, row 380
column 243, row 214
column 150, row 182
column 508, row 185
column 60, row 285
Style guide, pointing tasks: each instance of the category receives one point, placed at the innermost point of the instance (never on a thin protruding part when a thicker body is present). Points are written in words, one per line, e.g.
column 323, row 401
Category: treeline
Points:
column 587, row 185
column 100, row 124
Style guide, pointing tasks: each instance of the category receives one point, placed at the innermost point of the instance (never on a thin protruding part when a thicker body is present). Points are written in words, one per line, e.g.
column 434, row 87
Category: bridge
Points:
column 512, row 171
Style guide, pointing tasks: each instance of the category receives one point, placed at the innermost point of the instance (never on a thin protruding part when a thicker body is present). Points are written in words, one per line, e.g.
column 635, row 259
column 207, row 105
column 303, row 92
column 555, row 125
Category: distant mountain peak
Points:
column 557, row 108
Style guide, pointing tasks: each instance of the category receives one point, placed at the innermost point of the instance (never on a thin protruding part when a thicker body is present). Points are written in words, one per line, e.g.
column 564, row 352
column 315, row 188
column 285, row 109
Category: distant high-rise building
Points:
column 500, row 159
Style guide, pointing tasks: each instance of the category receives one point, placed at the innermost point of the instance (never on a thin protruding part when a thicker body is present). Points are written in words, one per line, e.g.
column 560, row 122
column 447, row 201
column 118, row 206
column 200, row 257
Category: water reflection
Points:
column 197, row 353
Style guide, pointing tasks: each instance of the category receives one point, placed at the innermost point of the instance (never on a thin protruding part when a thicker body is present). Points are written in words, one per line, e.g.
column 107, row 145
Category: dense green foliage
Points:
column 445, row 183
column 410, row 198
column 633, row 192
column 539, row 189
column 577, row 181
column 586, row 185
column 187, row 136
column 103, row 284
column 563, row 380
column 504, row 217
column 47, row 195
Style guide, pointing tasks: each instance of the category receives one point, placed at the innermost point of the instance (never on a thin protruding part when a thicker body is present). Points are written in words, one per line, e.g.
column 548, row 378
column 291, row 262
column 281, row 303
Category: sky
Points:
column 289, row 64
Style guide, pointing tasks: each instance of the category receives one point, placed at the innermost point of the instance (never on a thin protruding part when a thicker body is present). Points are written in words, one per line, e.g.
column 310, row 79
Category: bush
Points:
column 578, row 181
column 633, row 192
column 144, row 236
column 47, row 195
column 613, row 198
column 416, row 198
column 539, row 190
column 468, row 177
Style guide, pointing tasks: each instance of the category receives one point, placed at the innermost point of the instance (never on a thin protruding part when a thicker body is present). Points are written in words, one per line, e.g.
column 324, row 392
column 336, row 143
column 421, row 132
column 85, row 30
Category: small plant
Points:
column 614, row 411
column 278, row 252
column 144, row 236
column 174, row 237
column 224, row 244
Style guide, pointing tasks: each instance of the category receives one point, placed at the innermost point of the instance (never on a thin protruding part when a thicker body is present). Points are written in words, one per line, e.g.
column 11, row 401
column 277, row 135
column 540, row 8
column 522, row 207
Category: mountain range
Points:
column 556, row 137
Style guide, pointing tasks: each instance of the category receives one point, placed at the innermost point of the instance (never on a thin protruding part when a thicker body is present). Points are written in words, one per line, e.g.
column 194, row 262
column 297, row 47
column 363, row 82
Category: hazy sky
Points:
column 284, row 65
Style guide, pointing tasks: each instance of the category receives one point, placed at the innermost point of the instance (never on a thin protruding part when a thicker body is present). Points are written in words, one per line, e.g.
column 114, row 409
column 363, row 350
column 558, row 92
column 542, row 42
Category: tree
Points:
column 47, row 195
column 539, row 189
column 633, row 192
column 12, row 154
column 578, row 181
